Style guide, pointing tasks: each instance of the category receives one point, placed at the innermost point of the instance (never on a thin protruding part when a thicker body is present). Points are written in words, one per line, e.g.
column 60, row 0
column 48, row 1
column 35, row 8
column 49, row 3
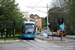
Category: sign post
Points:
column 52, row 23
column 14, row 29
column 62, row 26
column 61, row 34
column 52, row 32
column 5, row 32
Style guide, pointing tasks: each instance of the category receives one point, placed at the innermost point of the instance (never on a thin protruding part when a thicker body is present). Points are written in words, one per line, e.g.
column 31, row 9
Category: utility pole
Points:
column 41, row 11
column 47, row 17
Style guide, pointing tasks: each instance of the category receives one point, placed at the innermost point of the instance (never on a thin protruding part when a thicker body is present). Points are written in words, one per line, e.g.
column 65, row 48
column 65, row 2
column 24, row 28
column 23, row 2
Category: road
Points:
column 37, row 44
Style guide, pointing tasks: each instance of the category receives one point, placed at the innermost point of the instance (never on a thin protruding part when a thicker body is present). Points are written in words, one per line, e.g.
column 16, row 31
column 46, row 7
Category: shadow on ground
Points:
column 20, row 38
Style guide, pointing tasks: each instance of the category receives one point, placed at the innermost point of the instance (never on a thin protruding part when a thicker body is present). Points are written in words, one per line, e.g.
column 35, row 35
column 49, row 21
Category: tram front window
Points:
column 29, row 29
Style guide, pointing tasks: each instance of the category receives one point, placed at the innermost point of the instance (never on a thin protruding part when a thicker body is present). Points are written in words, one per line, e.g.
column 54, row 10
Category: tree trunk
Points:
column 6, row 34
column 13, row 34
column 1, row 35
column 9, row 34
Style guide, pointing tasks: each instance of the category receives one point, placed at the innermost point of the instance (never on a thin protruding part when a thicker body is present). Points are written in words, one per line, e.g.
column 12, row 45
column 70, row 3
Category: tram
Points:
column 28, row 29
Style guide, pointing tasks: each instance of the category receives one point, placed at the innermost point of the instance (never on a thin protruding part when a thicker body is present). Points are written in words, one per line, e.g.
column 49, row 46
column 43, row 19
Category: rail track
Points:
column 33, row 43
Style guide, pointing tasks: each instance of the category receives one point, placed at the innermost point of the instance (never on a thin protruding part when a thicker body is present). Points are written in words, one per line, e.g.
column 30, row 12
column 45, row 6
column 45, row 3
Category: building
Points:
column 26, row 15
column 33, row 17
column 37, row 19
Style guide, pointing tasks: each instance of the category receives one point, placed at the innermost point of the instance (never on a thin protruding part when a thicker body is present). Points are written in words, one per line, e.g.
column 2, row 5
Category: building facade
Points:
column 38, row 21
column 33, row 17
column 26, row 16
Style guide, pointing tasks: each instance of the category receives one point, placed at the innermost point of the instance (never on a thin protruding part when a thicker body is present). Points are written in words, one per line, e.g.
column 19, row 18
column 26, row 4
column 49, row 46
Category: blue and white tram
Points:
column 28, row 29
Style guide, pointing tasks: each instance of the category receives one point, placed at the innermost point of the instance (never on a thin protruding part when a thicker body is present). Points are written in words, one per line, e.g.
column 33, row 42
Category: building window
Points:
column 35, row 18
column 26, row 15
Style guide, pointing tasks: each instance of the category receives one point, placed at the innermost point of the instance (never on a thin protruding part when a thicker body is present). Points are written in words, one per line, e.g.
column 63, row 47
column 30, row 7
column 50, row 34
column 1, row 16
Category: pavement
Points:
column 40, row 43
column 71, row 37
column 12, row 41
column 55, row 40
column 65, row 39
column 37, row 44
column 47, row 38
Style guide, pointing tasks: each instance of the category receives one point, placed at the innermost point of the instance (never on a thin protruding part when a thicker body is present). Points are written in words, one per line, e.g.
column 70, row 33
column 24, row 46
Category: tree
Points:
column 54, row 15
column 66, row 10
column 44, row 22
column 58, row 3
column 70, row 7
column 10, row 12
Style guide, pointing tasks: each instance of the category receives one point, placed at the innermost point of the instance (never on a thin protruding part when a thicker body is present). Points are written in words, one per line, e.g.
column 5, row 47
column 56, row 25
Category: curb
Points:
column 47, row 38
column 2, row 43
column 63, row 42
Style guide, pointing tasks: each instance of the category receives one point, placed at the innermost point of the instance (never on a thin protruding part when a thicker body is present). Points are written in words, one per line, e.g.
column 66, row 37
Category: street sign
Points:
column 62, row 26
column 65, row 26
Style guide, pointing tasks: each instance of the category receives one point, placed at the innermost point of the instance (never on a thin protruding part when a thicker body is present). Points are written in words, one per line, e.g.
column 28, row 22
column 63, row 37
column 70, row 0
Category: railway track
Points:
column 33, row 43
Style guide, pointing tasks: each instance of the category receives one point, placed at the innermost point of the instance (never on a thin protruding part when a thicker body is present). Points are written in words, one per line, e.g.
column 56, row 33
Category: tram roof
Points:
column 29, row 22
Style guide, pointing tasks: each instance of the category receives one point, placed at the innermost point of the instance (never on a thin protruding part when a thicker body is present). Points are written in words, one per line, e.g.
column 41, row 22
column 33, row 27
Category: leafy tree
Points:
column 53, row 18
column 44, row 22
column 58, row 3
column 70, row 7
column 10, row 12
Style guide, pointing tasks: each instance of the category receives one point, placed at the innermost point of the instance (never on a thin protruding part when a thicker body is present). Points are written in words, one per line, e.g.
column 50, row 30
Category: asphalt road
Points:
column 37, row 44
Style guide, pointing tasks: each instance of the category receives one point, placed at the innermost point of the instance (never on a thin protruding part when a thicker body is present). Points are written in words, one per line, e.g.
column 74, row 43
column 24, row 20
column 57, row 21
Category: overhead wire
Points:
column 37, row 3
column 36, row 9
column 31, row 2
column 33, row 7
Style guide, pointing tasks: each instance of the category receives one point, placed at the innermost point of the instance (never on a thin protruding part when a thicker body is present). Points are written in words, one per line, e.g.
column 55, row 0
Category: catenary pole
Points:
column 47, row 20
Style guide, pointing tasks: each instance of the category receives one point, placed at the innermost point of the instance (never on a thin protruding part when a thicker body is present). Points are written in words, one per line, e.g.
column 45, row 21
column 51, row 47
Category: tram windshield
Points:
column 29, row 28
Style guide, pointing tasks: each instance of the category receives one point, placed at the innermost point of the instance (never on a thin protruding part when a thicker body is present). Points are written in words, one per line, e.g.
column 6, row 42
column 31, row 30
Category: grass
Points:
column 70, row 35
column 18, row 35
column 11, row 38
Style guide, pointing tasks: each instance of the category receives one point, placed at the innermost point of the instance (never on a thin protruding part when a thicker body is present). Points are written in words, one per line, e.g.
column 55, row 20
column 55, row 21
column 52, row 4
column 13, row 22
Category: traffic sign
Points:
column 62, row 26
column 65, row 26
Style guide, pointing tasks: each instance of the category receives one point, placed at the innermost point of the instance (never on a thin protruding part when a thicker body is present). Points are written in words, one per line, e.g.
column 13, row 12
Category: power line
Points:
column 38, row 6
column 36, row 9
column 32, row 2
column 37, row 3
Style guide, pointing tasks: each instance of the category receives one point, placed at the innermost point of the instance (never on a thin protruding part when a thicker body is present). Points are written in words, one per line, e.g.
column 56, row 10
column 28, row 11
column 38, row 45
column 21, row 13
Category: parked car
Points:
column 54, row 34
column 59, row 34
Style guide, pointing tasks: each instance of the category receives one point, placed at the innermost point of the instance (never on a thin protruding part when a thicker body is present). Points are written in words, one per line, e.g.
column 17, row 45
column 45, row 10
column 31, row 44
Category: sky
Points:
column 38, row 7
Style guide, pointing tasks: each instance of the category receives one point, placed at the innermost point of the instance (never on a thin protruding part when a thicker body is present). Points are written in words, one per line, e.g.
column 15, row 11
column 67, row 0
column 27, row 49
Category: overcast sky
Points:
column 41, row 4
